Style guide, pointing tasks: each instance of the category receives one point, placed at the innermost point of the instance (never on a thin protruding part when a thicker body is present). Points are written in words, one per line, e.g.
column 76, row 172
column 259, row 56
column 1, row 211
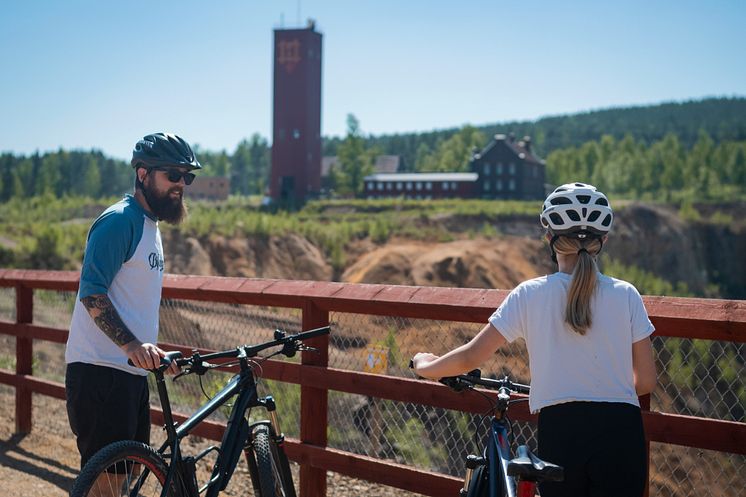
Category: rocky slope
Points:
column 651, row 237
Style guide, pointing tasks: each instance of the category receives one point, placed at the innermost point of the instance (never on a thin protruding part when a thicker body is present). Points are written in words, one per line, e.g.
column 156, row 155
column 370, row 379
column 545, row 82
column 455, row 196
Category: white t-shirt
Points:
column 124, row 260
column 566, row 366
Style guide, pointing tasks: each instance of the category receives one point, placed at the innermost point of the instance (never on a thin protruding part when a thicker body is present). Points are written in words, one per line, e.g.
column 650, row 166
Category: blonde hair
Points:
column 578, row 313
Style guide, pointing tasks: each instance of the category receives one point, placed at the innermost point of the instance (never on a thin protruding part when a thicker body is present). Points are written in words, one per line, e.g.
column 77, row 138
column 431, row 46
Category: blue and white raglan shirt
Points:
column 124, row 260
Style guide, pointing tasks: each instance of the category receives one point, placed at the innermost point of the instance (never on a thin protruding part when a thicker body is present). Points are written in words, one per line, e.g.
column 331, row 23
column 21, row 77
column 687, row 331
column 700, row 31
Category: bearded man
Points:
column 115, row 318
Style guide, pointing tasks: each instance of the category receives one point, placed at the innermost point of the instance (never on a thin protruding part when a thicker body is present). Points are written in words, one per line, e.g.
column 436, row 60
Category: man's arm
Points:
column 106, row 317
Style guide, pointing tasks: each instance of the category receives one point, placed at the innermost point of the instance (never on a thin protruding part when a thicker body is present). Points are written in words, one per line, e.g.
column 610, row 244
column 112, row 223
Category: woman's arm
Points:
column 643, row 367
column 461, row 359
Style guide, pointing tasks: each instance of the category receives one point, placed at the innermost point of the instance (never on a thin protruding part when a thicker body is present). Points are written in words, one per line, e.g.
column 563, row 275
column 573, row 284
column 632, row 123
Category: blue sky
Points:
column 98, row 74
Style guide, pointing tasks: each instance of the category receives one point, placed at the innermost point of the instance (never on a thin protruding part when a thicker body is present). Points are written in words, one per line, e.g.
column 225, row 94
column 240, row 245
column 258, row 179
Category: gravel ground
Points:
column 44, row 463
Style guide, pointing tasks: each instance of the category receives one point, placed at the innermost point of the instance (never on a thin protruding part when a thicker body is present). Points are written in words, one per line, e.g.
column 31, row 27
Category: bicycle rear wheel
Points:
column 126, row 468
column 270, row 470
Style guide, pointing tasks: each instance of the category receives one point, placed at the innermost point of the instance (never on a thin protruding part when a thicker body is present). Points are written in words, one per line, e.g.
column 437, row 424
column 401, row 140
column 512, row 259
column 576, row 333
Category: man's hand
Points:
column 143, row 355
column 147, row 356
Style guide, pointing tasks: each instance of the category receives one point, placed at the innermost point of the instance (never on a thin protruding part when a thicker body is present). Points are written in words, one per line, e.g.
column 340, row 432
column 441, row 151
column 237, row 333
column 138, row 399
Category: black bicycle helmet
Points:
column 164, row 149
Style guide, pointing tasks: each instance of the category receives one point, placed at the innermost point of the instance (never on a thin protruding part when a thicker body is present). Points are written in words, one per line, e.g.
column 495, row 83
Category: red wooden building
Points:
column 420, row 185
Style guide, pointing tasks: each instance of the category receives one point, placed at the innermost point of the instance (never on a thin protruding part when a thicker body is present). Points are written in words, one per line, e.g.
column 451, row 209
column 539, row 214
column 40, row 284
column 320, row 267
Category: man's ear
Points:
column 141, row 173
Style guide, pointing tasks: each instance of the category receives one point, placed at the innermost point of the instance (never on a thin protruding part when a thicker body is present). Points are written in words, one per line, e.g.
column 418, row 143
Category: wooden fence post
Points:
column 313, row 403
column 24, row 358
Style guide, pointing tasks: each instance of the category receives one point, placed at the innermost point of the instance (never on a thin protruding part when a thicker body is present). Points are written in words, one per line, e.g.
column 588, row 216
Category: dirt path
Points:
column 45, row 462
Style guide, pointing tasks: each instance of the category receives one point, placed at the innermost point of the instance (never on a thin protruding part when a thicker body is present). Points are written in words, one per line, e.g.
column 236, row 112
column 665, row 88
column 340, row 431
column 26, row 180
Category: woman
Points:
column 589, row 351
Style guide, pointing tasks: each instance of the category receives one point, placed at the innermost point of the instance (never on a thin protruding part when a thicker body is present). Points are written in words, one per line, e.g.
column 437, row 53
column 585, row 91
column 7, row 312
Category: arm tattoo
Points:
column 107, row 319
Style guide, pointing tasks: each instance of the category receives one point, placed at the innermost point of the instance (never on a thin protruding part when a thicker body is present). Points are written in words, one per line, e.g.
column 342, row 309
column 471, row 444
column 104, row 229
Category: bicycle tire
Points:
column 134, row 463
column 272, row 467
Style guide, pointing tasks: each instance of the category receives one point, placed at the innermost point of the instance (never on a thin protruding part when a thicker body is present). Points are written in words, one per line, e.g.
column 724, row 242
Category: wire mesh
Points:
column 53, row 309
column 701, row 378
column 677, row 471
column 425, row 437
column 219, row 326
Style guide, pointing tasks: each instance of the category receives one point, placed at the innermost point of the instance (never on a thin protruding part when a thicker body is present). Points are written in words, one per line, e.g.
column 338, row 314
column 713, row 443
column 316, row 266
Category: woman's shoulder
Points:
column 617, row 284
column 538, row 282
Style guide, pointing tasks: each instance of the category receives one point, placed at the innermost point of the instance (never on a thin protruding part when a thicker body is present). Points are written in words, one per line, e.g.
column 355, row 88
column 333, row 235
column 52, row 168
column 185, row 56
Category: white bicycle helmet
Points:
column 577, row 208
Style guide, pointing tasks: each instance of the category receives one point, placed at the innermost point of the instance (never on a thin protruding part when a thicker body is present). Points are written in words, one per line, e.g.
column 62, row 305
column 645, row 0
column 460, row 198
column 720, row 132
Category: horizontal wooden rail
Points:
column 708, row 319
column 711, row 319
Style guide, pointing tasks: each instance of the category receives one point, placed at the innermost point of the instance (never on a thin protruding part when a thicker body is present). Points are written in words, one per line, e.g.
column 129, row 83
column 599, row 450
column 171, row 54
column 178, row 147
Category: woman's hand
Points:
column 462, row 359
column 421, row 360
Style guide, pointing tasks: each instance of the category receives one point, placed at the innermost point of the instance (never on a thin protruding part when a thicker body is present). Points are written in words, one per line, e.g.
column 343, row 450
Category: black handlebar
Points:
column 197, row 360
column 474, row 377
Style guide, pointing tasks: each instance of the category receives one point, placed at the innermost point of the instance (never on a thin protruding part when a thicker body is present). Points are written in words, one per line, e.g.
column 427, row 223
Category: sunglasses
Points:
column 174, row 175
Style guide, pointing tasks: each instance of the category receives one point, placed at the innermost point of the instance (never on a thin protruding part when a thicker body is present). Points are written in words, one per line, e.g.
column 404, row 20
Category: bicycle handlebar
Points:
column 281, row 338
column 252, row 350
column 474, row 377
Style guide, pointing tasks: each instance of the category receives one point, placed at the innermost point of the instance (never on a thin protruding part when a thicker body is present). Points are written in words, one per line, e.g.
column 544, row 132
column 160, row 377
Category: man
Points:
column 116, row 313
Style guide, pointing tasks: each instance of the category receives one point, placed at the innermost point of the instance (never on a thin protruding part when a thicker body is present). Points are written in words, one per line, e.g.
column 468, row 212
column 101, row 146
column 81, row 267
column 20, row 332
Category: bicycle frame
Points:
column 498, row 452
column 237, row 433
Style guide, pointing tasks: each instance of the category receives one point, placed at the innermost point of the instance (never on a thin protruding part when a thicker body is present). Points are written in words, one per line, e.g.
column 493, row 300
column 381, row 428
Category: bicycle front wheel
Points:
column 123, row 468
column 271, row 470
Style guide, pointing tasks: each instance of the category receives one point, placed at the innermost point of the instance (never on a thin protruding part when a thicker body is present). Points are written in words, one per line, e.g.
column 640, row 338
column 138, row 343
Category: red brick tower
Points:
column 296, row 127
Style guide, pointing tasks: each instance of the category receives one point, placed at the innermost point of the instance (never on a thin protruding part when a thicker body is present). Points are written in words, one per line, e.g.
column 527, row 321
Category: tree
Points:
column 250, row 166
column 354, row 161
column 454, row 153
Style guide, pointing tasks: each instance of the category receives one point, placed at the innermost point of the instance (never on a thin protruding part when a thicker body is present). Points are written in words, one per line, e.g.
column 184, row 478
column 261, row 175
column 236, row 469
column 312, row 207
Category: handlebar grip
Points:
column 165, row 361
column 305, row 335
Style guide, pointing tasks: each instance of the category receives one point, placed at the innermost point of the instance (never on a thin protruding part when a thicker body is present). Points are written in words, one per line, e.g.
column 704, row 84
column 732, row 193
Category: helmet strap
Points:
column 551, row 247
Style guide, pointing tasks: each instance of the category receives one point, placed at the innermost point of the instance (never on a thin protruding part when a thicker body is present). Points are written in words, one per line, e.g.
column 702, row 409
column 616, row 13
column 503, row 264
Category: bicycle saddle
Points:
column 527, row 466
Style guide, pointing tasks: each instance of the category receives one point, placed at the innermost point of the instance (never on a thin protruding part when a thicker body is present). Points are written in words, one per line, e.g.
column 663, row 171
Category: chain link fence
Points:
column 696, row 377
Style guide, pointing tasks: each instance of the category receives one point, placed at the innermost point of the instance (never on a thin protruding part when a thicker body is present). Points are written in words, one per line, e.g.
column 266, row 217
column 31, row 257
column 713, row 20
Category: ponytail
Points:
column 578, row 313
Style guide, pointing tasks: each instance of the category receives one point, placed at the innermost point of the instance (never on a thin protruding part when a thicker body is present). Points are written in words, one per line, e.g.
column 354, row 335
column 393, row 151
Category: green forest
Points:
column 675, row 151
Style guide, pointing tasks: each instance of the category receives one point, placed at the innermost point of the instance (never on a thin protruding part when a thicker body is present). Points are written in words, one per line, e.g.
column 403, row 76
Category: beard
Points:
column 166, row 208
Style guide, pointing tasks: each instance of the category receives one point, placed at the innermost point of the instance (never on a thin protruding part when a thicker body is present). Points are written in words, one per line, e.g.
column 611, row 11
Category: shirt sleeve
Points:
column 508, row 318
column 110, row 244
column 639, row 320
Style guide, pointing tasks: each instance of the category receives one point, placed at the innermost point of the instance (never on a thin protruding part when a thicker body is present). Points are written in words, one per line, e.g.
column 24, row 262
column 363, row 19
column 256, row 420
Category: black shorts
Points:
column 601, row 445
column 105, row 405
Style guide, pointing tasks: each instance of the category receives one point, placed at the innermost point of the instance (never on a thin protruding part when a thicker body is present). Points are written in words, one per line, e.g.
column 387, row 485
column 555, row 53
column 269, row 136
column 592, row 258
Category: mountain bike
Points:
column 495, row 473
column 134, row 469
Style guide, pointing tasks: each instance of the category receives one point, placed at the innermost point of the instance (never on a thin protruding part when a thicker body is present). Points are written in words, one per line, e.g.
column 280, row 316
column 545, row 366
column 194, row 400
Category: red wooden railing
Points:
column 676, row 317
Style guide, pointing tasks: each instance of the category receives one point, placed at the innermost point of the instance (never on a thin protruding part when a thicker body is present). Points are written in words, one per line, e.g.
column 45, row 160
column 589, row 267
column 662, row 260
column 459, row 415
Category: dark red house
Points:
column 508, row 169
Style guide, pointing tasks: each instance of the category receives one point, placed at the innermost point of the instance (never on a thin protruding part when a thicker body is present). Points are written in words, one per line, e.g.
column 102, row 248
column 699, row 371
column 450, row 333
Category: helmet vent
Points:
column 594, row 215
column 573, row 215
column 602, row 201
column 556, row 218
column 560, row 201
column 584, row 199
column 607, row 220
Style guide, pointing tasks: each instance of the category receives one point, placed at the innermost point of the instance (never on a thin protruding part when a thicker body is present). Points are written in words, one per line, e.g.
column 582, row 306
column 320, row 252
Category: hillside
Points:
column 724, row 119
column 650, row 242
